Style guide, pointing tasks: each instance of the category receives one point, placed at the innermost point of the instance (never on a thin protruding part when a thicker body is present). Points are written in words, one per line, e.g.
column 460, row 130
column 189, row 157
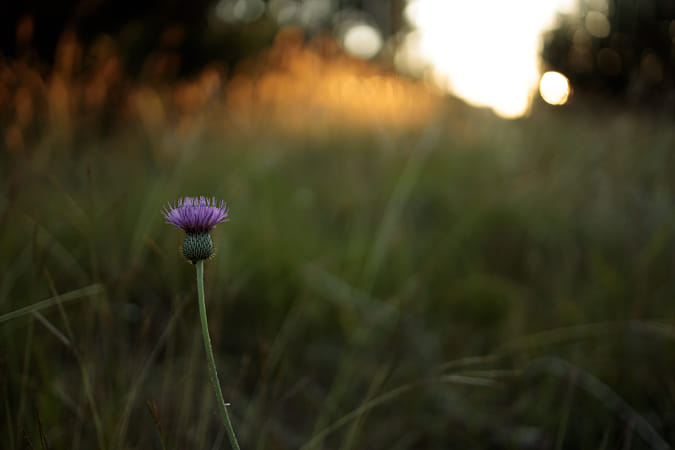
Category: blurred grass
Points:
column 478, row 283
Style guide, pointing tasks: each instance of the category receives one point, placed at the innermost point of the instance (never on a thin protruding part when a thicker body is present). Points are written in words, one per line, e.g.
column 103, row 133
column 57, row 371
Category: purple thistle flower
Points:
column 197, row 216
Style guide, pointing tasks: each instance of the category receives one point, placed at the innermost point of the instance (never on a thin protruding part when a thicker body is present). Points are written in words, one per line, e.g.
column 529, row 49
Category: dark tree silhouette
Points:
column 625, row 53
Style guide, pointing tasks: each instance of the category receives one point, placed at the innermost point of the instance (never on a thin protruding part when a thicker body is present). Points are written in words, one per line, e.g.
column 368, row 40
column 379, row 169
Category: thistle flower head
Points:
column 196, row 216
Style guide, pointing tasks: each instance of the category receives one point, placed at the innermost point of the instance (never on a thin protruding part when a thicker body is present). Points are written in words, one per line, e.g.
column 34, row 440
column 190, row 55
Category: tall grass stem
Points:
column 213, row 373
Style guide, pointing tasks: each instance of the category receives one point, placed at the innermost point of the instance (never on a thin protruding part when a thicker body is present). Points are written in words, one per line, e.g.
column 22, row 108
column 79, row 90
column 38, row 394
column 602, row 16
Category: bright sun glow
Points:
column 554, row 88
column 485, row 51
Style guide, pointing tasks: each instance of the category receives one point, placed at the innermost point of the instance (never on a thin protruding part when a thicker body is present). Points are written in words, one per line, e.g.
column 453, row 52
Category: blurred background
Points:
column 452, row 223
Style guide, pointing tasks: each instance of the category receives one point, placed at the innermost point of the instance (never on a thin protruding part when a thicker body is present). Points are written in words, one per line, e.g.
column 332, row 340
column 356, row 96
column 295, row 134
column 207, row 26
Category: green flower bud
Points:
column 197, row 246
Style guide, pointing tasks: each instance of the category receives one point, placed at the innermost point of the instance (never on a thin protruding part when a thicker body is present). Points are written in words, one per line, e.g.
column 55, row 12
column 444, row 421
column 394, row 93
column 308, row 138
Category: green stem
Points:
column 213, row 373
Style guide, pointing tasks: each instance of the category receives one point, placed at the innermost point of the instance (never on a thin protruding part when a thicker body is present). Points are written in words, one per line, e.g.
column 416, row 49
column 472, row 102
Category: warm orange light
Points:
column 323, row 86
column 301, row 86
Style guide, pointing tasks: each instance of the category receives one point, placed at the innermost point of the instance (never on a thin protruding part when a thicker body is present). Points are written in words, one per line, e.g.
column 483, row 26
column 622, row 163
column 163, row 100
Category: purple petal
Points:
column 196, row 214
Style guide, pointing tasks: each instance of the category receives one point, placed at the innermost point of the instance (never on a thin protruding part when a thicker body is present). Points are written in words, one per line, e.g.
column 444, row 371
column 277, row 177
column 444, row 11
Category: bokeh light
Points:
column 362, row 40
column 486, row 52
column 554, row 88
column 597, row 24
column 243, row 11
column 308, row 14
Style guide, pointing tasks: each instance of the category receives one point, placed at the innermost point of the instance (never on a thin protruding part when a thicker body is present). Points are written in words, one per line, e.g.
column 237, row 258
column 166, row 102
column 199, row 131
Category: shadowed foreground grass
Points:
column 476, row 284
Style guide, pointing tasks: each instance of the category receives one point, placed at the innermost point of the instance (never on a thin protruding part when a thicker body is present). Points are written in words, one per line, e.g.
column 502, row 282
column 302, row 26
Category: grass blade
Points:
column 87, row 291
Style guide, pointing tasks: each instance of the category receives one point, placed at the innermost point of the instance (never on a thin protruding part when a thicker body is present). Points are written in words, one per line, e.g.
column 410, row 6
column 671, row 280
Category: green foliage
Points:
column 507, row 287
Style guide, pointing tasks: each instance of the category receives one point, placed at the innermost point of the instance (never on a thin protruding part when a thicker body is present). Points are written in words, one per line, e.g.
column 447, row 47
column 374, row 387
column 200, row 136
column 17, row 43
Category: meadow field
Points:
column 464, row 282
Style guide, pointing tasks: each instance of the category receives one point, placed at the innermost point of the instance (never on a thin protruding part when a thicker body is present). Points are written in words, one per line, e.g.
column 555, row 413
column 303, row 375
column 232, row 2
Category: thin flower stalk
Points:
column 197, row 216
